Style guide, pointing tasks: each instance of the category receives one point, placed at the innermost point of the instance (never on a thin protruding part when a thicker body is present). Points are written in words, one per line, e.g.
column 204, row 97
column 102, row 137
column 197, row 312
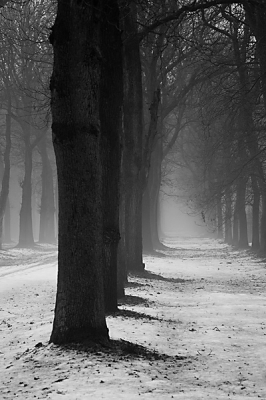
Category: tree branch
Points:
column 194, row 6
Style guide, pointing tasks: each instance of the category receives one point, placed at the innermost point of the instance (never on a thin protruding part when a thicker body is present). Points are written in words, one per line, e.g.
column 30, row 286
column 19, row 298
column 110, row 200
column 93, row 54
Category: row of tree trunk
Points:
column 87, row 128
column 231, row 214
column 98, row 140
column 232, row 200
column 47, row 206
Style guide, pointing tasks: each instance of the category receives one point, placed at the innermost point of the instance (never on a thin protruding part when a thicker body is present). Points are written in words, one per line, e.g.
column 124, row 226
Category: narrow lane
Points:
column 201, row 306
column 211, row 301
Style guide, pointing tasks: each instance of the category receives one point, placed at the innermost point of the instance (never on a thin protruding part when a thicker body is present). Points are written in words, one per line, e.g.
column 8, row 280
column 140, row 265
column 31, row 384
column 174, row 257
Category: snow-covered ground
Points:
column 198, row 314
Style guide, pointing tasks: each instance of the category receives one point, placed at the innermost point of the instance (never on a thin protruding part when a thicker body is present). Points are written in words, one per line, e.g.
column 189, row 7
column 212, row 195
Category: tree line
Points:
column 222, row 149
column 138, row 88
column 25, row 68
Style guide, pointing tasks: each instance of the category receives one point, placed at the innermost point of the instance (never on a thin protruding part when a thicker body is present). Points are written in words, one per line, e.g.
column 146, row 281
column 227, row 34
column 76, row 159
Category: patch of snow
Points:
column 201, row 307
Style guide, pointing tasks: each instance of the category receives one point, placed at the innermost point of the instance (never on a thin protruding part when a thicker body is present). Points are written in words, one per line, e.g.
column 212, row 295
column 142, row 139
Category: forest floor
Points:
column 192, row 326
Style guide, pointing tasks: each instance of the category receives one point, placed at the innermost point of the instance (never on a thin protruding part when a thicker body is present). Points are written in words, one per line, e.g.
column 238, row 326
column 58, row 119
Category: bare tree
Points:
column 6, row 172
column 77, row 110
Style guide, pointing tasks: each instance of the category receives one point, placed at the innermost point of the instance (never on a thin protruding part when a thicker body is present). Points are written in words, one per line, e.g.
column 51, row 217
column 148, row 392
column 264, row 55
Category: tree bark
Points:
column 146, row 222
column 243, row 231
column 122, row 264
column 75, row 89
column 219, row 218
column 122, row 271
column 228, row 216
column 111, row 100
column 255, row 214
column 6, row 175
column 151, row 240
column 7, row 223
column 235, row 239
column 263, row 222
column 25, row 221
column 47, row 211
column 256, row 16
column 159, row 218
column 154, row 194
column 133, row 128
column 56, row 207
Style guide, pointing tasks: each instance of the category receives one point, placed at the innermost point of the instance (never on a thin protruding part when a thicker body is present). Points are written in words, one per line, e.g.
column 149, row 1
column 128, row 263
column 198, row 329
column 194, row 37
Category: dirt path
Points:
column 202, row 307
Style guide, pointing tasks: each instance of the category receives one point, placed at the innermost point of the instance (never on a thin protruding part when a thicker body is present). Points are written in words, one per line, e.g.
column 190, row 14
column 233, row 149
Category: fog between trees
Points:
column 144, row 100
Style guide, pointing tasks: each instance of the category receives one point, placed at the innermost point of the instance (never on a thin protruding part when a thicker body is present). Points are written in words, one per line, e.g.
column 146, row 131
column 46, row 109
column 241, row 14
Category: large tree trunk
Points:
column 133, row 128
column 111, row 99
column 245, row 123
column 240, row 232
column 146, row 221
column 5, row 176
column 133, row 229
column 7, row 223
column 259, row 193
column 122, row 271
column 159, row 218
column 235, row 239
column 228, row 217
column 263, row 221
column 47, row 211
column 243, row 231
column 219, row 217
column 151, row 240
column 154, row 195
column 122, row 264
column 255, row 214
column 75, row 87
column 25, row 221
column 256, row 17
column 56, row 207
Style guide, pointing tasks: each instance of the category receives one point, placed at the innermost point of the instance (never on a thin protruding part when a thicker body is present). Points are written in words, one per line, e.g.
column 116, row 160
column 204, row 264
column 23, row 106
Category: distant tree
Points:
column 6, row 172
column 25, row 66
column 160, row 37
column 47, row 205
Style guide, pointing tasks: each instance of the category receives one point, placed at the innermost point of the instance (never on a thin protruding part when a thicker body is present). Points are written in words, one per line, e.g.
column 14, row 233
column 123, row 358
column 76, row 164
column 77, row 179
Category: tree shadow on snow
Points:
column 37, row 247
column 150, row 275
column 45, row 247
column 134, row 315
column 135, row 284
column 113, row 351
column 161, row 252
column 130, row 300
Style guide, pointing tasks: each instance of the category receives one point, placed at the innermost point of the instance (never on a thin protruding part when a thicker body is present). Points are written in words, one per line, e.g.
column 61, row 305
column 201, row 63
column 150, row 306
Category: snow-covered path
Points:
column 202, row 307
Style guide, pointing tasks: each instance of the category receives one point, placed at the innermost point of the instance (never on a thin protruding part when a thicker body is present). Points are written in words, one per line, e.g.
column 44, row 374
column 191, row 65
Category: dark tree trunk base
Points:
column 137, row 267
column 120, row 292
column 243, row 246
column 80, row 335
column 110, row 309
column 25, row 246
